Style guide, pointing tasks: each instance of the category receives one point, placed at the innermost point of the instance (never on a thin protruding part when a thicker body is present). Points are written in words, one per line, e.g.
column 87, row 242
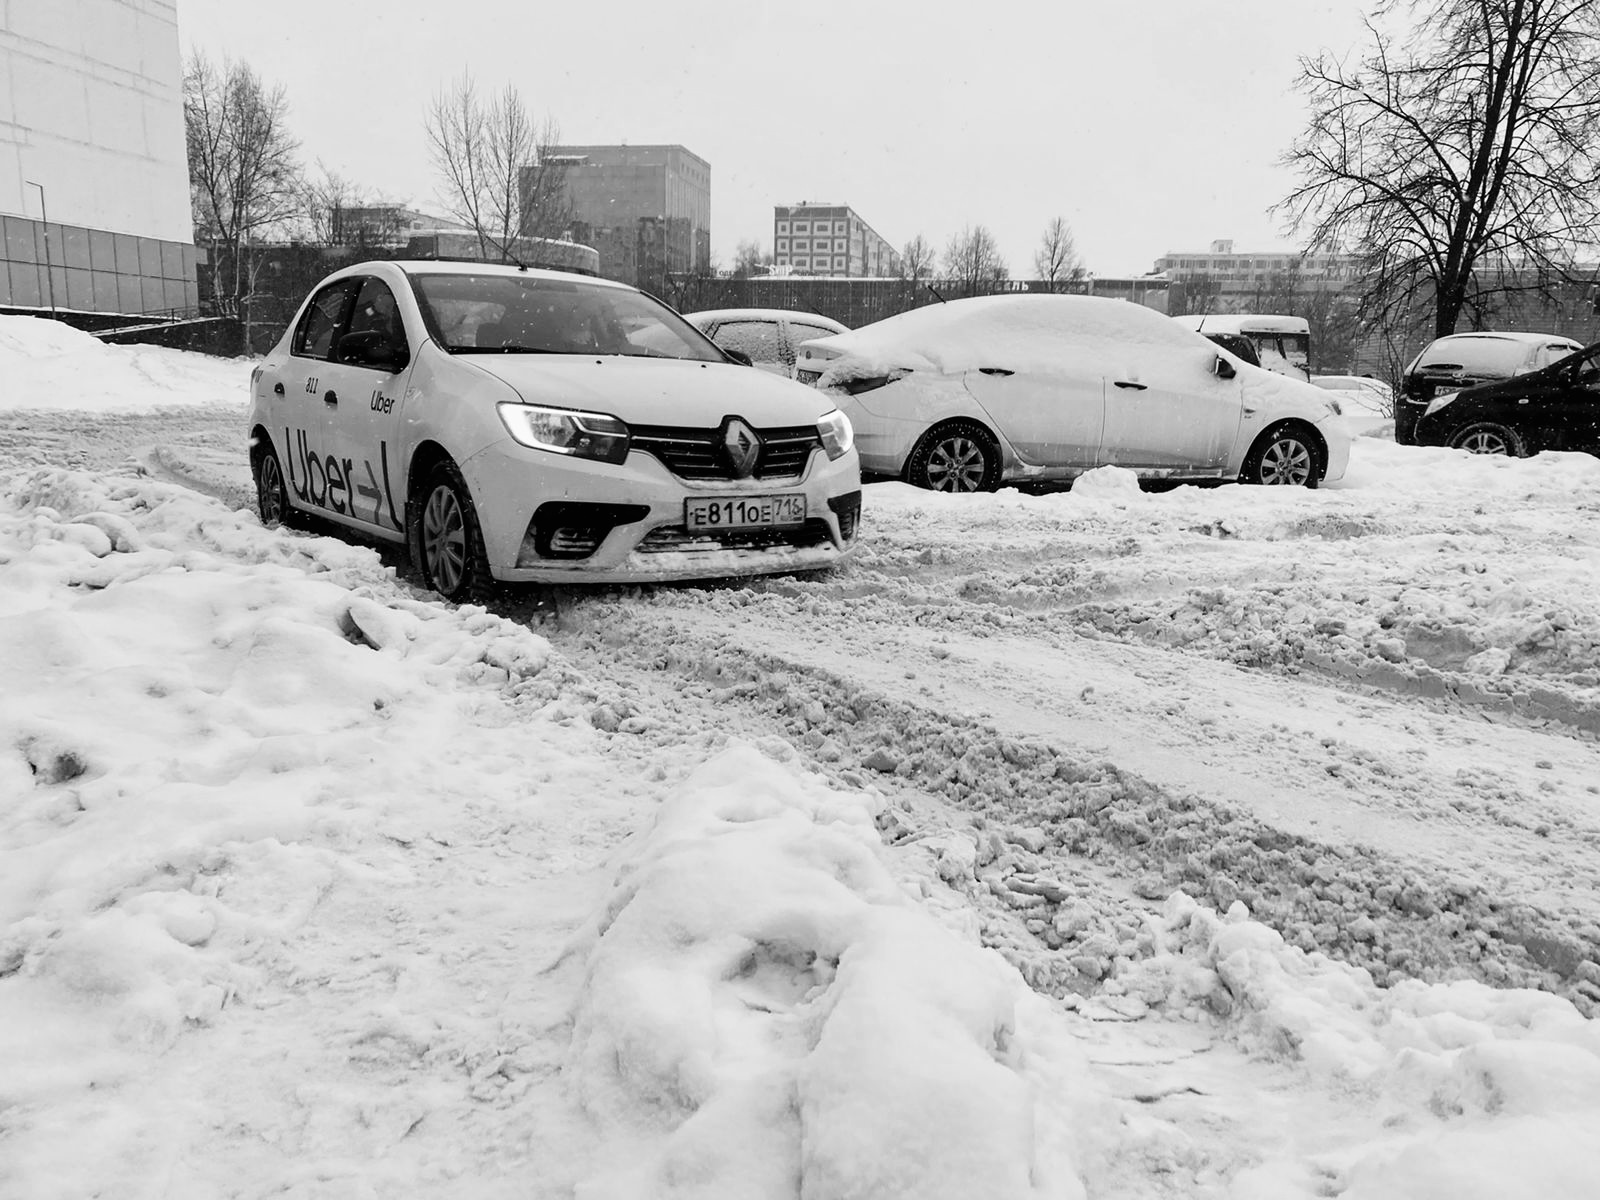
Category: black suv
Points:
column 1556, row 408
column 1464, row 360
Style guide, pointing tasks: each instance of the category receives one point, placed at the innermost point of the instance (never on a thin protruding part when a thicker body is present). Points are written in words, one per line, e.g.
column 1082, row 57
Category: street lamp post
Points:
column 49, row 274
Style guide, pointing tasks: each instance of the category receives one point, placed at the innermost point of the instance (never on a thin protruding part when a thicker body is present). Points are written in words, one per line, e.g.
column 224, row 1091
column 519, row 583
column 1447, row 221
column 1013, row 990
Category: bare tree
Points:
column 325, row 198
column 1459, row 164
column 1198, row 294
column 749, row 258
column 500, row 177
column 1057, row 259
column 972, row 258
column 243, row 172
column 916, row 259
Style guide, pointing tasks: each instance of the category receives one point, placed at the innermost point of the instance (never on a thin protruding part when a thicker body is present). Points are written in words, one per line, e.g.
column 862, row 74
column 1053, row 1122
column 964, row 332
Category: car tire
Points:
column 445, row 538
column 272, row 489
column 960, row 456
column 1486, row 437
column 1285, row 455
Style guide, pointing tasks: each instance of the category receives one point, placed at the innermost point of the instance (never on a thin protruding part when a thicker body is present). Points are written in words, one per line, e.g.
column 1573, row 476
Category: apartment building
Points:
column 830, row 239
column 94, row 177
column 1236, row 276
column 646, row 209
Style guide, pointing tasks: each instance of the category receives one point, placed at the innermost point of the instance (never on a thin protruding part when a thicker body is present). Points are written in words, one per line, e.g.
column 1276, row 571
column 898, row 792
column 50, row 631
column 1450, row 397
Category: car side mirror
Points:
column 372, row 348
column 1223, row 369
column 739, row 356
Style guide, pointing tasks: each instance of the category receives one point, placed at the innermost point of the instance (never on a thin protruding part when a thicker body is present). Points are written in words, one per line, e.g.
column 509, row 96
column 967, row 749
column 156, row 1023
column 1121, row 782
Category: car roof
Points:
column 1510, row 336
column 759, row 314
column 440, row 266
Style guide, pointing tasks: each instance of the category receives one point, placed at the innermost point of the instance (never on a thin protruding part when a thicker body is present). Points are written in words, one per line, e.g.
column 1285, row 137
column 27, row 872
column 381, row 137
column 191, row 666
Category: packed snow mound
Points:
column 762, row 997
column 47, row 364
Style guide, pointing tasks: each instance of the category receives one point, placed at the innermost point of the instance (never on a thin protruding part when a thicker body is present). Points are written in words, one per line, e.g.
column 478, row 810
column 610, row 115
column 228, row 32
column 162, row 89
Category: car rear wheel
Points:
column 272, row 492
column 1284, row 456
column 959, row 457
column 447, row 542
column 1484, row 437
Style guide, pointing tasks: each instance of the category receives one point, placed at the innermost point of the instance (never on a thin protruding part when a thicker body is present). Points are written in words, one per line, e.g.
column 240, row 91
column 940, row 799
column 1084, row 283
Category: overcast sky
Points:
column 1151, row 125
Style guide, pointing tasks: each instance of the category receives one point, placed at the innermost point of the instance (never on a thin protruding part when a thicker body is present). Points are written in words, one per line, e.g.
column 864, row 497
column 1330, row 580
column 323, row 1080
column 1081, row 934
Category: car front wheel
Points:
column 446, row 539
column 1283, row 456
column 1487, row 438
column 959, row 457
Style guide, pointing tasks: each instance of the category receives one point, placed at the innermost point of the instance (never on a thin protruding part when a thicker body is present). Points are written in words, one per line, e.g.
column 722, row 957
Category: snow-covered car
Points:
column 768, row 337
column 1554, row 408
column 975, row 393
column 532, row 426
column 1463, row 360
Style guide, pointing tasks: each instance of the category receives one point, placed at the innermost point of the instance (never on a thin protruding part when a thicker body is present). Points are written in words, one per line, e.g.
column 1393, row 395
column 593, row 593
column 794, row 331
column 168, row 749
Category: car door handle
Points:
column 1001, row 372
column 278, row 388
column 1137, row 387
column 330, row 397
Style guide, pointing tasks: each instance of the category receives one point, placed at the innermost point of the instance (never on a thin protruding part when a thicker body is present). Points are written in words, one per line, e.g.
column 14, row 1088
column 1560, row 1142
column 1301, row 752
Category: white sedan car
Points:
column 534, row 426
column 968, row 395
column 768, row 337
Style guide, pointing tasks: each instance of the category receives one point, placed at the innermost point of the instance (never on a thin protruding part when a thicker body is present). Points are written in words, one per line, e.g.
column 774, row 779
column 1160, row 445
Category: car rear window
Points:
column 1476, row 355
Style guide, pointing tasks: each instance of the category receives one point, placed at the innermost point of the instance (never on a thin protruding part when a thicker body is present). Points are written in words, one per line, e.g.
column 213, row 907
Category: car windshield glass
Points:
column 1476, row 356
column 530, row 314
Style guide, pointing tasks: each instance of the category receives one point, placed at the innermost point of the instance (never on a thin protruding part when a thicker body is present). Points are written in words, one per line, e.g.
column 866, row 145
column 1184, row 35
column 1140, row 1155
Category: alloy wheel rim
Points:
column 1484, row 442
column 270, row 492
column 444, row 540
column 956, row 465
column 1287, row 461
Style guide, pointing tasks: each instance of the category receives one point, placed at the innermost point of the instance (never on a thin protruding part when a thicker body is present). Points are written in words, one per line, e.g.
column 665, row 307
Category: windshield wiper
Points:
column 509, row 348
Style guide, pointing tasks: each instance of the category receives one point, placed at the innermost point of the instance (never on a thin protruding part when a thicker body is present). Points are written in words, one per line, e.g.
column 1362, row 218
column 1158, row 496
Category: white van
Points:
column 1283, row 344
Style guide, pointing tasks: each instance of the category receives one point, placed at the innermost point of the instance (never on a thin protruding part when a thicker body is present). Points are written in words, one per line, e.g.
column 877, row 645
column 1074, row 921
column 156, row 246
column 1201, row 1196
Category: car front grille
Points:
column 699, row 453
column 675, row 539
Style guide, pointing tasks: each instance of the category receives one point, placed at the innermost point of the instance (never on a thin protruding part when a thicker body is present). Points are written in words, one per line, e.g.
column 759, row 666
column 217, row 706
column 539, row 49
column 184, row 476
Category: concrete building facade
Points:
column 646, row 209
column 1237, row 278
column 94, row 179
column 830, row 239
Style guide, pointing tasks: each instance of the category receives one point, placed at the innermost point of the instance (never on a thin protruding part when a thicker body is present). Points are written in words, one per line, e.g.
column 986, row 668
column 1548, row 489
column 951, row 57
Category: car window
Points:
column 377, row 312
column 758, row 339
column 531, row 314
column 804, row 332
column 314, row 337
column 1586, row 372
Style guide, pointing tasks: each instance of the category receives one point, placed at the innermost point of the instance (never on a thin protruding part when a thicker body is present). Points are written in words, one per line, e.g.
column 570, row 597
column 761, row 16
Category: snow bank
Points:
column 46, row 364
column 762, row 1004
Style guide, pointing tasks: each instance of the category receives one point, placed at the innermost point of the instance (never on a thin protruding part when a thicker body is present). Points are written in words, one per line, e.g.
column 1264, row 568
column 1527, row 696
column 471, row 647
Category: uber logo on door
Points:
column 743, row 447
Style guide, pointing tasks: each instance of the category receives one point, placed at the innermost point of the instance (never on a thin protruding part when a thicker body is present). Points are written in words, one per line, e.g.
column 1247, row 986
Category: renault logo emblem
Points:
column 743, row 447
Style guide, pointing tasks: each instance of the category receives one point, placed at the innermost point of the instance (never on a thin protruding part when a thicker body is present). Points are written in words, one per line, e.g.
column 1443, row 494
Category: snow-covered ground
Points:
column 1212, row 842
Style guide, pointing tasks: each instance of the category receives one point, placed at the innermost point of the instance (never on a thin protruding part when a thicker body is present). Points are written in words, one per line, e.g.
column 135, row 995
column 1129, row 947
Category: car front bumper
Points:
column 549, row 518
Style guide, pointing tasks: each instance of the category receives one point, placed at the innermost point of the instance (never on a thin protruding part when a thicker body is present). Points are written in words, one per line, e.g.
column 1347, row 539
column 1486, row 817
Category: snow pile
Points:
column 1479, row 1092
column 46, row 364
column 760, row 989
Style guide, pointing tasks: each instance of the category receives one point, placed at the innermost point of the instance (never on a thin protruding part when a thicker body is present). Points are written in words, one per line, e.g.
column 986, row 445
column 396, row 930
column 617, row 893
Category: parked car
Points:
column 533, row 426
column 1361, row 393
column 1554, row 408
column 766, row 336
column 1464, row 360
column 975, row 393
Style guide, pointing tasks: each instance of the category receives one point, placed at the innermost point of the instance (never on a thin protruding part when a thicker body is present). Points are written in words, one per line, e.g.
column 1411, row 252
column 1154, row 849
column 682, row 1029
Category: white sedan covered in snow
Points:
column 972, row 394
column 531, row 426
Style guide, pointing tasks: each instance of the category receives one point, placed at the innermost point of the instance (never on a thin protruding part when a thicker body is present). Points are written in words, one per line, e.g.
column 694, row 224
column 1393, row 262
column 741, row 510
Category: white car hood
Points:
column 655, row 391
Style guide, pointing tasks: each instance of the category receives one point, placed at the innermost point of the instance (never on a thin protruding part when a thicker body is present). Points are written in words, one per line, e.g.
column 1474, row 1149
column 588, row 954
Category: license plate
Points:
column 743, row 512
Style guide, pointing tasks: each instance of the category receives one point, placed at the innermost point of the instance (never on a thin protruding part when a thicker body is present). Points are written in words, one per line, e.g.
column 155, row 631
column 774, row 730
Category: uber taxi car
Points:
column 519, row 425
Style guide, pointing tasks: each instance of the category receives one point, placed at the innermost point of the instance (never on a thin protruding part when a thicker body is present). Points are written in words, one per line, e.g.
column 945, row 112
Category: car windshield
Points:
column 530, row 314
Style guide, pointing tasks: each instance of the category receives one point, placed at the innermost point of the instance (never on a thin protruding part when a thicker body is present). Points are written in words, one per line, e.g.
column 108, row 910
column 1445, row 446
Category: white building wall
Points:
column 91, row 108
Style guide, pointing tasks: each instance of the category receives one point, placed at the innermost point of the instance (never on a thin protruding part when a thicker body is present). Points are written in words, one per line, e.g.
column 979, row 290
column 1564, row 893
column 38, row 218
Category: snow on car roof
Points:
column 1018, row 331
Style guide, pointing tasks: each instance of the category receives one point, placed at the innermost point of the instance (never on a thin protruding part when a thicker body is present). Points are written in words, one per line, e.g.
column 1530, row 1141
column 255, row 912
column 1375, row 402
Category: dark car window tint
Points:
column 377, row 312
column 314, row 338
column 1587, row 373
column 758, row 339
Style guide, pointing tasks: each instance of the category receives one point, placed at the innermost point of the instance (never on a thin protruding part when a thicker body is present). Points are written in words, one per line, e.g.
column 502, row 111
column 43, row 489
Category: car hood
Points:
column 655, row 391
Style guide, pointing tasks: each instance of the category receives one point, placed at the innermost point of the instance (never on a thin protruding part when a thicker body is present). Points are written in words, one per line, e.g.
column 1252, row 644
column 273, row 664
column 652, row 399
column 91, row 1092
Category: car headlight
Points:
column 836, row 433
column 567, row 431
column 1439, row 400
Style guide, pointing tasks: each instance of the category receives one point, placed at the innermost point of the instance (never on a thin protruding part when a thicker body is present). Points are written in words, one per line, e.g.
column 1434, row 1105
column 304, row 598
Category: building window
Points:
column 783, row 245
column 802, row 226
column 838, row 243
column 838, row 262
column 783, row 227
